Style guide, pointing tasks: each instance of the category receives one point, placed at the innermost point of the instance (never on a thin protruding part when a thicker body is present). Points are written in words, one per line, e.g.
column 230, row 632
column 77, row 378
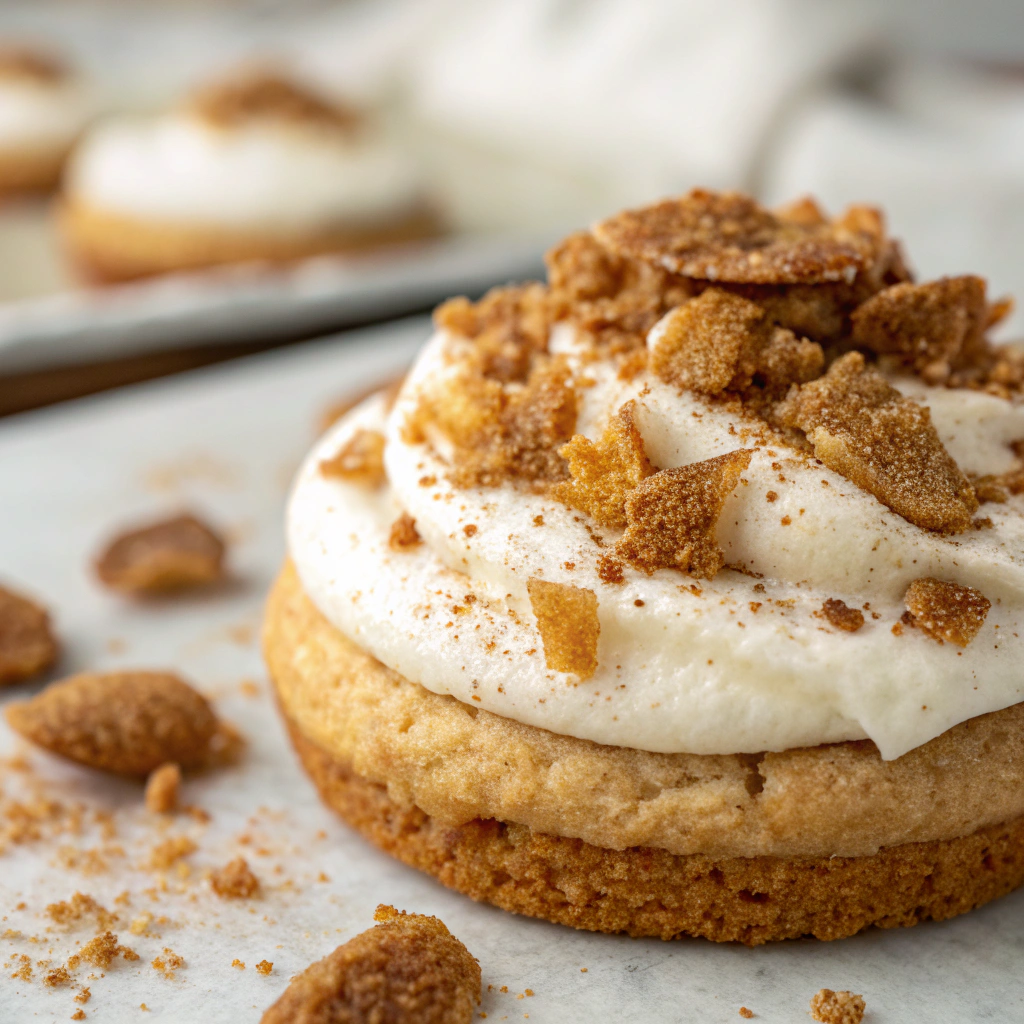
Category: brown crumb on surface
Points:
column 166, row 854
column 610, row 570
column 360, row 460
column 408, row 967
column 168, row 963
column 84, row 995
column 672, row 516
column 57, row 977
column 830, row 1007
column 404, row 534
column 27, row 643
column 568, row 625
column 603, row 474
column 101, row 951
column 745, row 1013
column 79, row 1014
column 172, row 555
column 80, row 905
column 863, row 428
column 946, row 611
column 162, row 788
column 727, row 236
column 235, row 880
column 264, row 967
column 239, row 964
column 841, row 615
column 128, row 723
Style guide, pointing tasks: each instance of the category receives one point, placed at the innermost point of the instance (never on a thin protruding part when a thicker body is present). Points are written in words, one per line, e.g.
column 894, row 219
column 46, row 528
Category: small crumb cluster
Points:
column 830, row 1007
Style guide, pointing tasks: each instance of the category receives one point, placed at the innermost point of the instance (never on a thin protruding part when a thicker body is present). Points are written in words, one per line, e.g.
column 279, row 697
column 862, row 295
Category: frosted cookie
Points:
column 681, row 594
column 43, row 109
column 255, row 168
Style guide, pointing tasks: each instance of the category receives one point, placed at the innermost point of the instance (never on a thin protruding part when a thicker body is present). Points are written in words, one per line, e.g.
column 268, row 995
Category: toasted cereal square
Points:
column 946, row 611
column 568, row 625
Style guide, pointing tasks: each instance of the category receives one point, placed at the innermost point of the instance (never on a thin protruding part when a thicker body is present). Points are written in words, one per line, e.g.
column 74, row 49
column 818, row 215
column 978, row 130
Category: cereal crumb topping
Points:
column 235, row 880
column 129, row 723
column 403, row 534
column 70, row 912
column 568, row 625
column 672, row 515
column 603, row 474
column 407, row 967
column 168, row 963
column 830, row 1007
column 946, row 611
column 610, row 570
column 360, row 460
column 162, row 789
column 264, row 967
column 174, row 554
column 101, row 951
column 863, row 428
column 27, row 643
column 840, row 615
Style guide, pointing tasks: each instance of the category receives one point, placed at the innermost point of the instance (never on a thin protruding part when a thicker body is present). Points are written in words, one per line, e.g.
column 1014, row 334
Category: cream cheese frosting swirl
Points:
column 745, row 661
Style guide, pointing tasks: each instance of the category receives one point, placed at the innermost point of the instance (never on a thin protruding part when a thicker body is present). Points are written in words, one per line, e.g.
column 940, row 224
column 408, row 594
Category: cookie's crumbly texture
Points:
column 392, row 731
column 830, row 1007
column 129, row 723
column 863, row 428
column 162, row 788
column 360, row 460
column 842, row 616
column 568, row 625
column 946, row 611
column 671, row 516
column 602, row 474
column 408, row 967
column 726, row 236
column 235, row 880
column 645, row 891
column 27, row 643
column 175, row 554
column 403, row 534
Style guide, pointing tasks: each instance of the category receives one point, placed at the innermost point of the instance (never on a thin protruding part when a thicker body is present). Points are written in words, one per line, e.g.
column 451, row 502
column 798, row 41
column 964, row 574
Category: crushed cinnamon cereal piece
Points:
column 672, row 516
column 745, row 1013
column 842, row 616
column 168, row 963
column 172, row 555
column 862, row 427
column 27, row 643
column 264, row 967
column 610, row 570
column 70, row 912
column 360, row 460
column 79, row 1014
column 162, row 789
column 84, row 995
column 101, row 951
column 166, row 854
column 128, row 723
column 57, row 977
column 830, row 1007
column 403, row 533
column 928, row 326
column 408, row 967
column 235, row 880
column 602, row 474
column 946, row 611
column 239, row 964
column 568, row 625
column 726, row 236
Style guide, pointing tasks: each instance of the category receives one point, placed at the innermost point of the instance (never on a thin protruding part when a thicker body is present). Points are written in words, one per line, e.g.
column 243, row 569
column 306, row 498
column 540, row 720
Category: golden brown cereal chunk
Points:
column 946, row 611
column 162, row 789
column 27, row 644
column 602, row 474
column 407, row 968
column 235, row 880
column 672, row 515
column 360, row 460
column 57, row 977
column 264, row 967
column 927, row 325
column 70, row 912
column 101, row 951
column 568, row 625
column 124, row 722
column 842, row 616
column 726, row 236
column 176, row 554
column 261, row 94
column 830, row 1007
column 403, row 534
column 863, row 428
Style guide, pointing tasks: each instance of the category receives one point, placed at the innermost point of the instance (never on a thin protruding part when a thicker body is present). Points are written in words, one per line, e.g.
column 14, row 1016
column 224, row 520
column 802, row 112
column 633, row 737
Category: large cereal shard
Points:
column 408, row 968
column 360, row 460
column 720, row 342
column 568, row 625
column 672, row 516
column 946, row 611
column 603, row 473
column 928, row 326
column 727, row 236
column 862, row 427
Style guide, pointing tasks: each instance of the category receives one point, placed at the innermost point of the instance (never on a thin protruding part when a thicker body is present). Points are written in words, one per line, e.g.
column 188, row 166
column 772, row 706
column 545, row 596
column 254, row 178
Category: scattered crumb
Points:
column 235, row 880
column 168, row 963
column 568, row 625
column 830, row 1007
column 840, row 615
column 166, row 854
column 27, row 643
column 610, row 570
column 946, row 611
column 78, row 1015
column 240, row 964
column 140, row 924
column 264, row 967
column 101, row 951
column 162, row 789
column 744, row 1012
column 403, row 533
column 69, row 912
column 57, row 977
column 84, row 995
column 360, row 460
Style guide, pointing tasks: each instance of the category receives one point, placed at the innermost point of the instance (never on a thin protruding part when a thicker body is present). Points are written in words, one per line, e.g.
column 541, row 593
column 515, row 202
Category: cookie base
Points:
column 649, row 892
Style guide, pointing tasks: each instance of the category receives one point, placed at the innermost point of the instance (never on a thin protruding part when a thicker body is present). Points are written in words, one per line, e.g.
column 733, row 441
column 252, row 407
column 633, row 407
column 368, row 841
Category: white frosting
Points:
column 269, row 175
column 41, row 116
column 681, row 667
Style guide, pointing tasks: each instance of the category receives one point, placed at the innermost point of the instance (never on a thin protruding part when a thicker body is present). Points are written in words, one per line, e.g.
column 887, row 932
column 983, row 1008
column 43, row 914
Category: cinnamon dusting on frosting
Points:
column 946, row 611
column 568, row 625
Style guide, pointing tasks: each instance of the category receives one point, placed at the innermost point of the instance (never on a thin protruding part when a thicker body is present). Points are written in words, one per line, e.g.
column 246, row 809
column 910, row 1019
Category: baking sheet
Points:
column 226, row 441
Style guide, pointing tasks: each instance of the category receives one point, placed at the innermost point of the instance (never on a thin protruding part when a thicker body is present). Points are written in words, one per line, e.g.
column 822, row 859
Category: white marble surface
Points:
column 226, row 441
